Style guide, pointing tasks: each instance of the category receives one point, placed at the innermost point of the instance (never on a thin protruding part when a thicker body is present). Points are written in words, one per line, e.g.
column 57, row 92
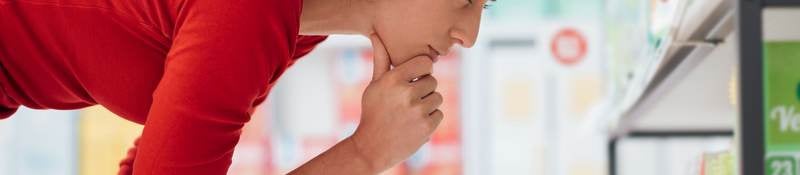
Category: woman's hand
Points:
column 399, row 109
column 399, row 113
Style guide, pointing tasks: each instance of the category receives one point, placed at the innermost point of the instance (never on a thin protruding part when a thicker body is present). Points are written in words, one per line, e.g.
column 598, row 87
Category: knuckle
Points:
column 420, row 110
column 428, row 64
column 408, row 90
column 438, row 117
column 423, row 61
column 433, row 78
column 410, row 98
column 436, row 120
column 438, row 98
column 421, row 83
column 427, row 67
column 435, row 114
column 439, row 113
column 429, row 81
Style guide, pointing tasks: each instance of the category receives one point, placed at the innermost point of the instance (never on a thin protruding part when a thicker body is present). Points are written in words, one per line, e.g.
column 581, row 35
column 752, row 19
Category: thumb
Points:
column 381, row 61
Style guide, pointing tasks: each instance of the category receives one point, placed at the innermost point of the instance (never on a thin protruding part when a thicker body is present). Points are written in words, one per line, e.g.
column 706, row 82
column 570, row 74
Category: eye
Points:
column 488, row 4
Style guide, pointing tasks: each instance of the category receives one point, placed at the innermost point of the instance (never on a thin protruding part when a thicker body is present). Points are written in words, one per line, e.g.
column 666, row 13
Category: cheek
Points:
column 407, row 29
column 402, row 40
column 395, row 38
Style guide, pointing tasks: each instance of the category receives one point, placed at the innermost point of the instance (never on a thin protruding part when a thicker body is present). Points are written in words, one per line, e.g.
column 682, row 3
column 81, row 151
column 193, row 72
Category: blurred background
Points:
column 553, row 87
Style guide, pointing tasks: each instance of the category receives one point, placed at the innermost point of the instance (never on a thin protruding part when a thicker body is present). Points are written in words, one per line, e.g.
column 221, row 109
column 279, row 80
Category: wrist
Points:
column 369, row 159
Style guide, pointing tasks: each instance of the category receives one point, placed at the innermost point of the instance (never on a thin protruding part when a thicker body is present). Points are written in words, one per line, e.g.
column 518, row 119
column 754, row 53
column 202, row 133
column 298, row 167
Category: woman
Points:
column 192, row 71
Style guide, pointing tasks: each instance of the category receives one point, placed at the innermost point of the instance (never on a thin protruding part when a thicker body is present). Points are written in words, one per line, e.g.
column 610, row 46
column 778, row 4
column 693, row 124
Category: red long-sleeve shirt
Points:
column 191, row 71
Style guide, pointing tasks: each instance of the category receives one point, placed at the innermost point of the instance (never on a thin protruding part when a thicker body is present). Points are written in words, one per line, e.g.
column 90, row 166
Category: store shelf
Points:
column 699, row 101
column 781, row 25
column 673, row 91
column 760, row 22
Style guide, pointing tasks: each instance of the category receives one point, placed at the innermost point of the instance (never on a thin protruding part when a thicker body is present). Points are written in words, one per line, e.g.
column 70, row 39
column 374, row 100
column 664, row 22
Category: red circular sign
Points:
column 568, row 46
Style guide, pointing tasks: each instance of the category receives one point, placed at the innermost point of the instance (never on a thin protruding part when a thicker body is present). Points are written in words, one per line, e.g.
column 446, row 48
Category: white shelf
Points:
column 671, row 93
column 780, row 24
column 698, row 101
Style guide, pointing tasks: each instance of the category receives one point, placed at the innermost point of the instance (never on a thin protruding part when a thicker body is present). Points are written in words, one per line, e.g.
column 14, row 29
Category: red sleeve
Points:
column 305, row 44
column 223, row 57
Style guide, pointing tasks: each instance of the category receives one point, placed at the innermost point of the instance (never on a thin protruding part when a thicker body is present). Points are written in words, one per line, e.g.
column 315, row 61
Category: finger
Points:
column 424, row 86
column 432, row 102
column 381, row 61
column 414, row 68
column 435, row 118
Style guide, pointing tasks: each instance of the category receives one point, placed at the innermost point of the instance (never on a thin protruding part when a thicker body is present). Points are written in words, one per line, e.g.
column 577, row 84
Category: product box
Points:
column 782, row 107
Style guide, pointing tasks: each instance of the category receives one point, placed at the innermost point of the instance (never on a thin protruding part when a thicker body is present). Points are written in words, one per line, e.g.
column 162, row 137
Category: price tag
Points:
column 781, row 165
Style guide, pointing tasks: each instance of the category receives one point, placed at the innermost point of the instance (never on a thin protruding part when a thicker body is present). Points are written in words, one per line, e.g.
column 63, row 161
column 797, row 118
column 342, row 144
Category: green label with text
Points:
column 781, row 165
column 782, row 96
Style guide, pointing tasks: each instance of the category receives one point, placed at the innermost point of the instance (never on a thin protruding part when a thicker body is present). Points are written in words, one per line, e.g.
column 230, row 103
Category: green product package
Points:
column 782, row 107
column 782, row 95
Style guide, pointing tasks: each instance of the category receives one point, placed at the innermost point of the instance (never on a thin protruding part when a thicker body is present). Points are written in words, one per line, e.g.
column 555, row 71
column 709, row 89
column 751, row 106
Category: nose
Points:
column 466, row 30
column 463, row 39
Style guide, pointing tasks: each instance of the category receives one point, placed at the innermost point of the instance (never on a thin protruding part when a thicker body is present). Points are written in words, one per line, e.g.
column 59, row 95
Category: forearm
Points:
column 343, row 158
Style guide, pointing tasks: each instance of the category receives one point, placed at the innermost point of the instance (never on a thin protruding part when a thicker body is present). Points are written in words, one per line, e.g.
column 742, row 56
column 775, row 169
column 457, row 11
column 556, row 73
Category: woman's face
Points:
column 410, row 28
